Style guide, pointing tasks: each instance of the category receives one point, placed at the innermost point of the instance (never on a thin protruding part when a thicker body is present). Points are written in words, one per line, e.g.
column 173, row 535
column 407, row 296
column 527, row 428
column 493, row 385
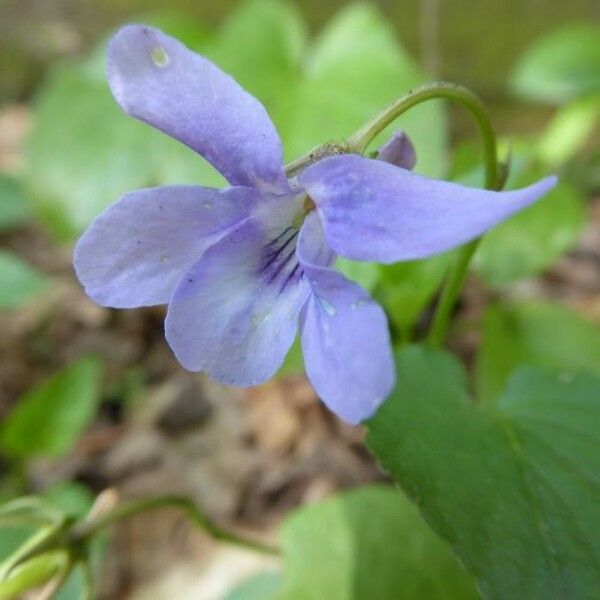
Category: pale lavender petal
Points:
column 157, row 79
column 136, row 251
column 375, row 211
column 313, row 250
column 344, row 334
column 399, row 151
column 234, row 315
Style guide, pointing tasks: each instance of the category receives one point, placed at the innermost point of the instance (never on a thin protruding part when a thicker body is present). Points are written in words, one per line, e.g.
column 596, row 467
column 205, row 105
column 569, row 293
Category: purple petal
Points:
column 157, row 79
column 137, row 250
column 375, row 211
column 313, row 250
column 345, row 339
column 235, row 313
column 399, row 151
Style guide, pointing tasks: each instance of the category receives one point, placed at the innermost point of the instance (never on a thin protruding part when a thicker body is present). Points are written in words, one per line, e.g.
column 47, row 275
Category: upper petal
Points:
column 345, row 338
column 135, row 252
column 375, row 211
column 234, row 314
column 157, row 79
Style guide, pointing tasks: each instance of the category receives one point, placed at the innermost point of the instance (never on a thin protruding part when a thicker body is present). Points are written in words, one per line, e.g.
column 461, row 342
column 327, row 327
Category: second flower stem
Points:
column 88, row 529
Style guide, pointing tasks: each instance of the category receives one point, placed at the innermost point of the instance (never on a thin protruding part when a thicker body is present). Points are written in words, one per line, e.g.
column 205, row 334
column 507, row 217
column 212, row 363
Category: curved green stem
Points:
column 87, row 529
column 434, row 91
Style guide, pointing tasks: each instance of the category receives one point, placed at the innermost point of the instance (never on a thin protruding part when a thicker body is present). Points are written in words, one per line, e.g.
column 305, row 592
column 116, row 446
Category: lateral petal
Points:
column 136, row 251
column 345, row 339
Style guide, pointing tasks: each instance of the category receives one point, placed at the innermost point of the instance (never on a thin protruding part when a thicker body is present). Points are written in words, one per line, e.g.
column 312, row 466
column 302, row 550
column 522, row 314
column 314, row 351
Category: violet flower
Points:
column 239, row 267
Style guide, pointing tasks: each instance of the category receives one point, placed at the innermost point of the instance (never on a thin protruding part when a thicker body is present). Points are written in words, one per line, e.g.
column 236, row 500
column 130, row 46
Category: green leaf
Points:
column 534, row 334
column 513, row 488
column 33, row 573
column 368, row 543
column 28, row 510
column 68, row 498
column 262, row 586
column 406, row 288
column 560, row 67
column 20, row 282
column 75, row 586
column 13, row 208
column 49, row 418
column 535, row 238
column 355, row 68
column 29, row 544
column 568, row 131
column 173, row 22
column 294, row 360
column 261, row 45
column 74, row 499
column 12, row 538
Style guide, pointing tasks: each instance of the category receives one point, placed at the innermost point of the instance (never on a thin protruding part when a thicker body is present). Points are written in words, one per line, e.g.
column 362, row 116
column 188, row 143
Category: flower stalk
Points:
column 435, row 91
column 84, row 531
column 456, row 93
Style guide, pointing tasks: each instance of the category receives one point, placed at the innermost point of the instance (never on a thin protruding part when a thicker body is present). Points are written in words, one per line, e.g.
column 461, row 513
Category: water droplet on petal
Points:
column 164, row 258
column 159, row 56
column 207, row 204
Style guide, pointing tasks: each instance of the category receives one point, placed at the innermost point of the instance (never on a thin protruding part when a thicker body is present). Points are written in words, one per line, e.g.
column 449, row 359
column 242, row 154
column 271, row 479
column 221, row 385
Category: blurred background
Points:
column 92, row 398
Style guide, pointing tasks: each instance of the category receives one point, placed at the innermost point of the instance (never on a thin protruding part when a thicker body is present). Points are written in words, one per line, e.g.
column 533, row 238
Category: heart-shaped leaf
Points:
column 514, row 488
column 535, row 334
column 368, row 543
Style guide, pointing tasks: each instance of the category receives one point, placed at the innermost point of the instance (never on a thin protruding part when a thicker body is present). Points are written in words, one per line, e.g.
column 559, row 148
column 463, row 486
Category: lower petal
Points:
column 135, row 252
column 345, row 338
column 227, row 318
